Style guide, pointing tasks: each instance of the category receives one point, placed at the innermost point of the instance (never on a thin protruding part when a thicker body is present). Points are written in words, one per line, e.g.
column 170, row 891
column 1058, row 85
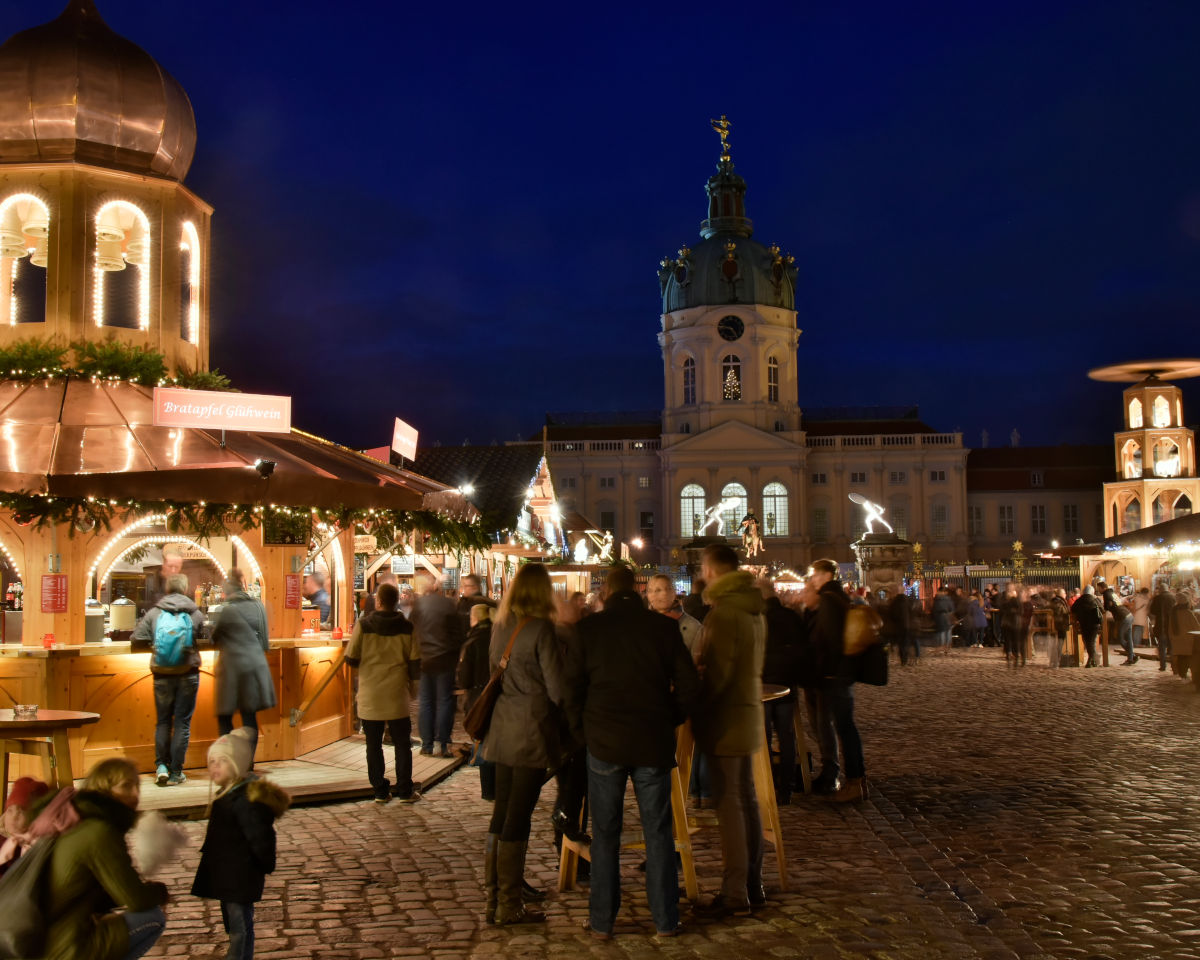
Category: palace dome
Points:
column 727, row 266
column 72, row 90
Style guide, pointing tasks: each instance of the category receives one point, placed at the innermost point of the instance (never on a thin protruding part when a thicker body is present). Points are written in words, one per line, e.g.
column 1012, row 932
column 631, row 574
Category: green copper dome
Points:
column 727, row 265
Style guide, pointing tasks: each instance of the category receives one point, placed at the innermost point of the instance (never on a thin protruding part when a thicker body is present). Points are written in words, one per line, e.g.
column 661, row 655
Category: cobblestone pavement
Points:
column 1014, row 813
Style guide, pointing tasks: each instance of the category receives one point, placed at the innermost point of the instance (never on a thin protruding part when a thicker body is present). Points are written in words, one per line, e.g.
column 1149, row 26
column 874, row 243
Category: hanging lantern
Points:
column 37, row 224
column 108, row 231
column 39, row 257
column 12, row 244
column 135, row 250
column 108, row 255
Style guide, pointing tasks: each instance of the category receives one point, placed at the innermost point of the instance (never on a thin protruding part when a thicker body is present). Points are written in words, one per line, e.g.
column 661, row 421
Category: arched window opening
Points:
column 1131, row 460
column 1162, row 411
column 1166, row 458
column 772, row 380
column 24, row 239
column 121, row 297
column 691, row 506
column 1135, row 413
column 775, row 510
column 1133, row 516
column 731, row 377
column 1161, row 508
column 689, row 382
column 189, row 285
column 734, row 504
column 1183, row 506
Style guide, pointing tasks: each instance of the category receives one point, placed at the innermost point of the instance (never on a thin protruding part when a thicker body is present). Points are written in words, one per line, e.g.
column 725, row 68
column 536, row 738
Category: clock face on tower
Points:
column 731, row 327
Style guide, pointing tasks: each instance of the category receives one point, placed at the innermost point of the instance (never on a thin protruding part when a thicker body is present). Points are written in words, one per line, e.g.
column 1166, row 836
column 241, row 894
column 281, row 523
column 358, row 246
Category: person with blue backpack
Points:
column 172, row 627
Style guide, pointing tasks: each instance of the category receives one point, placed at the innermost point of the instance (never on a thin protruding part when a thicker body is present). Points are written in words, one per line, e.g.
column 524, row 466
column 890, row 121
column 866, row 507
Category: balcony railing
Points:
column 883, row 440
column 582, row 447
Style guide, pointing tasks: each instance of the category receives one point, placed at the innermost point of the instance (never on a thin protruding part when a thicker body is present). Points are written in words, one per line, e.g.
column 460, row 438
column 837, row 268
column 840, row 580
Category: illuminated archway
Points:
column 189, row 284
column 121, row 267
column 156, row 540
column 24, row 239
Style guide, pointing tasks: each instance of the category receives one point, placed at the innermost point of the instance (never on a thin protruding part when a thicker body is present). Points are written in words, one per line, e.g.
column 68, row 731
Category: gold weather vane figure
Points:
column 721, row 129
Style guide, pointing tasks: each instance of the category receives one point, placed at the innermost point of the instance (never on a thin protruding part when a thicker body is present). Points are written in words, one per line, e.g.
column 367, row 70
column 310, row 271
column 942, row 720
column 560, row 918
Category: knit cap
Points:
column 25, row 790
column 234, row 747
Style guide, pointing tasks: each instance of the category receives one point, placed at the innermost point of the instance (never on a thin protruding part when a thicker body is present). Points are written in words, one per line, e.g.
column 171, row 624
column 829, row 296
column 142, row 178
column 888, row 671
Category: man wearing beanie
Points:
column 239, row 847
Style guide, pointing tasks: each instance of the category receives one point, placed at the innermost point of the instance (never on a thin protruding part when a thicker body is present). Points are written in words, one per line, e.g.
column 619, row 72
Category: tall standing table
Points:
column 44, row 736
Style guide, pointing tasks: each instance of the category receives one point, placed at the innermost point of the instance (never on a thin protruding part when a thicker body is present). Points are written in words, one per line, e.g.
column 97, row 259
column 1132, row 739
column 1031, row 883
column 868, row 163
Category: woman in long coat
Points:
column 524, row 738
column 243, row 679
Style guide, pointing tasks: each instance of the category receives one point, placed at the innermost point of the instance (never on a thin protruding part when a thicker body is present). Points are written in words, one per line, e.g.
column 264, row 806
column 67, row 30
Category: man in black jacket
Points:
column 1160, row 615
column 630, row 683
column 781, row 666
column 1088, row 615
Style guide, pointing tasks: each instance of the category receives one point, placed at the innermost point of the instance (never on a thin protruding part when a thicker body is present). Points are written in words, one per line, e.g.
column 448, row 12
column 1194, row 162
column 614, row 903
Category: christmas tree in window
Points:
column 733, row 385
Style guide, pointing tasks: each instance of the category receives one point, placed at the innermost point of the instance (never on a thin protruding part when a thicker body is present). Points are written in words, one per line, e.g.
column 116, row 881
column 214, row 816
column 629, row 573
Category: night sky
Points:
column 454, row 213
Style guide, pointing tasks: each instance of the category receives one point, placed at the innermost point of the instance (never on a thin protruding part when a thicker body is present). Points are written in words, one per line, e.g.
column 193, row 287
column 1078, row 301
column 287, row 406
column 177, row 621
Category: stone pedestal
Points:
column 883, row 561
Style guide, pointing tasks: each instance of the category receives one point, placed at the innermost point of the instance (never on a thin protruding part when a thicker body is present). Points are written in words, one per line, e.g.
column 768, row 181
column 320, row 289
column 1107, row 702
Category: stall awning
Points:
column 79, row 438
column 1165, row 534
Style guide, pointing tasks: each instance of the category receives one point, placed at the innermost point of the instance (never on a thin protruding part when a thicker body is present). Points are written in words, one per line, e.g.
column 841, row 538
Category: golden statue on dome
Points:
column 721, row 129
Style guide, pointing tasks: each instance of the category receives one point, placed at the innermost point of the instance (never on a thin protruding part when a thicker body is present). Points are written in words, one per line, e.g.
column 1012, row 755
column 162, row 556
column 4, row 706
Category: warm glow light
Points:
column 136, row 251
column 191, row 244
column 159, row 541
column 122, row 534
column 255, row 569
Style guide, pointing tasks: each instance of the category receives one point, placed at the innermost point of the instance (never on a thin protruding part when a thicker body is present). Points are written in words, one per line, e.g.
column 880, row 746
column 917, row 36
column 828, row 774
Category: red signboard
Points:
column 54, row 593
column 291, row 591
column 208, row 409
column 404, row 440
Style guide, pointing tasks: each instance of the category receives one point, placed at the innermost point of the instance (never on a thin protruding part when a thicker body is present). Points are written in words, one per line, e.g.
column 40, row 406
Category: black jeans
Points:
column 400, row 729
column 571, row 781
column 517, row 790
column 249, row 721
column 841, row 704
column 781, row 714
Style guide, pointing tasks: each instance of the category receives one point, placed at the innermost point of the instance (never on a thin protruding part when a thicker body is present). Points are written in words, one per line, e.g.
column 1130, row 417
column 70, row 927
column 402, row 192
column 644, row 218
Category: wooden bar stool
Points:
column 764, row 786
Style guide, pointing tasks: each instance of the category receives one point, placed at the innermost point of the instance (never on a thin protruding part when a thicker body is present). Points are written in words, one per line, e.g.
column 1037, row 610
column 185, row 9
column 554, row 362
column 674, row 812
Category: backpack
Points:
column 23, row 892
column 172, row 638
column 863, row 629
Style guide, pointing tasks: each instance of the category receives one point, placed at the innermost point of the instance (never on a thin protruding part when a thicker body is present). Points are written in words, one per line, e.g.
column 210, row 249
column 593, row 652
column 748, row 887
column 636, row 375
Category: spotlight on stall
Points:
column 264, row 467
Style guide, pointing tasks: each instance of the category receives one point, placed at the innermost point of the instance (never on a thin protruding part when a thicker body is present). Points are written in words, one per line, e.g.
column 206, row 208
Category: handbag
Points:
column 479, row 717
column 871, row 666
column 22, row 891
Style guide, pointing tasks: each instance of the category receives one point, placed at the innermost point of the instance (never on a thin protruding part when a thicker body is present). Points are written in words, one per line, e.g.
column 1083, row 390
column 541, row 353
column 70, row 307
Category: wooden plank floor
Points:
column 334, row 772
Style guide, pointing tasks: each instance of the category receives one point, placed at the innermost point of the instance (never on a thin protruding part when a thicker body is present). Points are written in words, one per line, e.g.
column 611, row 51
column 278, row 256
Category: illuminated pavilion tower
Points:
column 731, row 421
column 1155, row 452
column 99, row 239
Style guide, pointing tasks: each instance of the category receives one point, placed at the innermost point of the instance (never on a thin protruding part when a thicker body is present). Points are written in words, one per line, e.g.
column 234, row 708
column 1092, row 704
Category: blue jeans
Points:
column 239, row 924
column 174, row 702
column 606, row 797
column 435, row 712
column 841, row 704
column 145, row 927
column 1125, row 636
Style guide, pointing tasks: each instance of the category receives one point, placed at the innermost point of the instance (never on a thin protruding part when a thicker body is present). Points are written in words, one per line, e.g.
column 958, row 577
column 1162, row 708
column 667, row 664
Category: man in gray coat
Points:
column 243, row 678
column 440, row 636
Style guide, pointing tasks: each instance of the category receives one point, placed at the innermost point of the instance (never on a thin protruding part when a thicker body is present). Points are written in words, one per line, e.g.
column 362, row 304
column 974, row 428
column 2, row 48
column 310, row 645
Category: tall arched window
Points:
column 189, row 284
column 1135, row 413
column 689, row 382
column 121, row 267
column 1162, row 411
column 775, row 510
column 733, row 507
column 772, row 380
column 1133, row 516
column 1183, row 506
column 731, row 377
column 1166, row 458
column 691, row 509
column 24, row 237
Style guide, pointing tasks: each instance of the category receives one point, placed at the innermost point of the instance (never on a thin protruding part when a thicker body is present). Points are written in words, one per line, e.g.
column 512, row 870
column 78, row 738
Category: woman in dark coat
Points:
column 243, row 679
column 474, row 671
column 91, row 875
column 523, row 739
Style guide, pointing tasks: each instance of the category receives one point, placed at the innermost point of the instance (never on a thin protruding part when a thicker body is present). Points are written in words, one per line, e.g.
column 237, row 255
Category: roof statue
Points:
column 721, row 129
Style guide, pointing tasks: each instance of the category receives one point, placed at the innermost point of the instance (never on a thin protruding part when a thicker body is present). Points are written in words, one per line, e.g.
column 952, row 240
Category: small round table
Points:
column 45, row 737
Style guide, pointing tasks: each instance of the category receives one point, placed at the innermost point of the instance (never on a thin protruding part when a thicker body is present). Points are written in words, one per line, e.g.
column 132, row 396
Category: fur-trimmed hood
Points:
column 270, row 795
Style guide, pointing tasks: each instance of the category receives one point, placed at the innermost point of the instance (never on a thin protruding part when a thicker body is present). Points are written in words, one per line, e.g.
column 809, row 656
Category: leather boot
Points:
column 510, row 874
column 853, row 790
column 489, row 876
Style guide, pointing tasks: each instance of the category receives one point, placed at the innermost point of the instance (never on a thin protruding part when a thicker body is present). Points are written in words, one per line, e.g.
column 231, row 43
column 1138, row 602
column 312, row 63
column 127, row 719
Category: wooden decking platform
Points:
column 334, row 772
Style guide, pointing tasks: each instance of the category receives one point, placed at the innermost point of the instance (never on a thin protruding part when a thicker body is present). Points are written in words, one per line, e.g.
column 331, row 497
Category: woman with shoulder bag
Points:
column 243, row 678
column 520, row 735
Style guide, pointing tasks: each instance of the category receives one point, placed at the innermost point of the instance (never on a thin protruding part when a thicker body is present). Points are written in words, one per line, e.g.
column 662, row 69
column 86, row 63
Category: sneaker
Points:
column 161, row 775
column 409, row 797
column 177, row 778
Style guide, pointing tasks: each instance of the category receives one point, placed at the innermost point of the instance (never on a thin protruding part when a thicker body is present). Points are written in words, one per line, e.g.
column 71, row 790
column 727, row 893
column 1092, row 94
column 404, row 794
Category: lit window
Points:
column 775, row 510
column 189, row 285
column 643, row 483
column 731, row 377
column 1162, row 411
column 691, row 505
column 733, row 495
column 1135, row 413
column 121, row 267
column 772, row 380
column 24, row 240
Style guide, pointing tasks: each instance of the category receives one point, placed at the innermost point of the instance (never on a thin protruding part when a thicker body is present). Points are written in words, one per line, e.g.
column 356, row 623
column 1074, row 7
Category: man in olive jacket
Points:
column 729, row 723
column 630, row 682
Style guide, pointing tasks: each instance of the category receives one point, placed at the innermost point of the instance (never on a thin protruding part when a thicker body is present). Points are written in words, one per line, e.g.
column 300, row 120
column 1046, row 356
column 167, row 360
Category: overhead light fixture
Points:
column 264, row 467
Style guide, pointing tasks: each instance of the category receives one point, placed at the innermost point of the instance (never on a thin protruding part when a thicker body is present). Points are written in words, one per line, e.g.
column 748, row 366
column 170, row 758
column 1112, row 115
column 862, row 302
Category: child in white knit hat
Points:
column 239, row 847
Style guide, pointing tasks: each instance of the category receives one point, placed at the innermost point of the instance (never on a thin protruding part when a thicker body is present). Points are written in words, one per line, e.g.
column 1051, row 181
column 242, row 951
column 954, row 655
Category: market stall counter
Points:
column 109, row 679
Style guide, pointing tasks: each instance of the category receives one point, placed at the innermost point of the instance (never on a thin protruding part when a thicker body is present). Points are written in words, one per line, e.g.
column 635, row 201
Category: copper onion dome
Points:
column 73, row 90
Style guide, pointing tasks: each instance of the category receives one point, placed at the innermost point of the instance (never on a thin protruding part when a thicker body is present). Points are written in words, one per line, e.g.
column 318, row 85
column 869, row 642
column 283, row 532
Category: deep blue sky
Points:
column 454, row 213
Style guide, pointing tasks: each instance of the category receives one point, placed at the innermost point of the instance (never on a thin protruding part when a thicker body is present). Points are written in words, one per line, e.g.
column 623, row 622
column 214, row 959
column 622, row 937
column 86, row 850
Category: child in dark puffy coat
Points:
column 239, row 847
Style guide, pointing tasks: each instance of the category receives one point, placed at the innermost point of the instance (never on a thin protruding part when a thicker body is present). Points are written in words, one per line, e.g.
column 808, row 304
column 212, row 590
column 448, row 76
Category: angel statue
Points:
column 751, row 537
column 873, row 512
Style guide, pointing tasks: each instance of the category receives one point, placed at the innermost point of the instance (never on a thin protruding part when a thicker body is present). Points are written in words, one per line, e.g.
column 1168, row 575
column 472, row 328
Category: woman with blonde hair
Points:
column 522, row 740
column 91, row 875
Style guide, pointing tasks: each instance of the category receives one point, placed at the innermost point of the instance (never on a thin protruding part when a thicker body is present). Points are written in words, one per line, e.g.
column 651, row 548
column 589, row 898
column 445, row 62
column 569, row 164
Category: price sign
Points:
column 360, row 572
column 54, row 593
column 365, row 543
column 404, row 566
column 291, row 591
